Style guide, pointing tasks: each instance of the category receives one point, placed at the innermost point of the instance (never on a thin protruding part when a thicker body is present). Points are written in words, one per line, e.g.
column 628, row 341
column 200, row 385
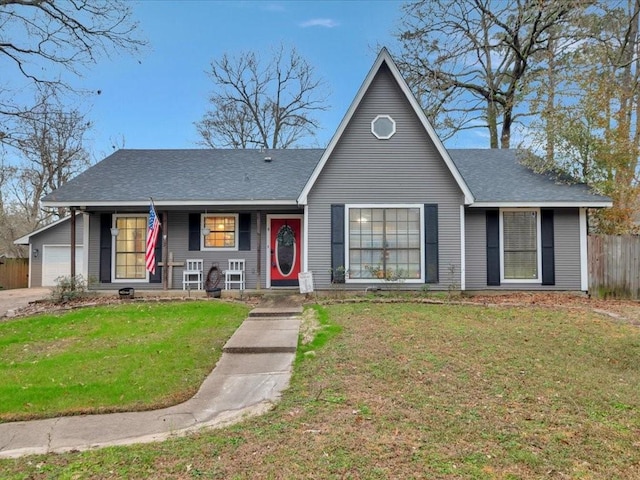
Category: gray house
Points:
column 385, row 201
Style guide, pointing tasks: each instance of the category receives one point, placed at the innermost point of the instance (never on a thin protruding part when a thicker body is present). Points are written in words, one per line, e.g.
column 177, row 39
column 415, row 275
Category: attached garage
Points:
column 56, row 262
column 50, row 251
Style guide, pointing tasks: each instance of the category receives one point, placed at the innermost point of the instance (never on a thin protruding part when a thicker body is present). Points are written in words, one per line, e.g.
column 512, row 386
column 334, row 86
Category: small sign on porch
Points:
column 305, row 279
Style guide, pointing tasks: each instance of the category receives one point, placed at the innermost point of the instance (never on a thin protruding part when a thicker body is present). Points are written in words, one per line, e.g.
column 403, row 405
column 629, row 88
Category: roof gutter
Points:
column 548, row 204
column 168, row 203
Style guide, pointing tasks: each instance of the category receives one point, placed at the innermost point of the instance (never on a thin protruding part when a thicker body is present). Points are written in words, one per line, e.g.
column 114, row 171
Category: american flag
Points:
column 152, row 238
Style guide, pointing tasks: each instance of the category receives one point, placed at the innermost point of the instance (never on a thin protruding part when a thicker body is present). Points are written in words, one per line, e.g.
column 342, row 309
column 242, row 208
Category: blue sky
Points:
column 152, row 100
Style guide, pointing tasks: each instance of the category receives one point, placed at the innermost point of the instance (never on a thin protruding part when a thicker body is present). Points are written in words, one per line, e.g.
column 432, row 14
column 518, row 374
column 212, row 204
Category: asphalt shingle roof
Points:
column 243, row 175
column 192, row 175
column 498, row 176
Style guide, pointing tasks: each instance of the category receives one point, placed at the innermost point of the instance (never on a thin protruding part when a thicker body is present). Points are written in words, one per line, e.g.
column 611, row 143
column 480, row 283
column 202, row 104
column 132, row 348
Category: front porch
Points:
column 266, row 245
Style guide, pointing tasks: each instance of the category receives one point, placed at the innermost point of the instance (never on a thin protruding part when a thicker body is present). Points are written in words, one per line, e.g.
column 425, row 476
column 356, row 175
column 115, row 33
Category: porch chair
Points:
column 234, row 275
column 192, row 274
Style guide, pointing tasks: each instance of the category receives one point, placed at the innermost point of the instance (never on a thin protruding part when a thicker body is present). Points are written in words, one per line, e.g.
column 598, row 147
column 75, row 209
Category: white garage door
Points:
column 56, row 262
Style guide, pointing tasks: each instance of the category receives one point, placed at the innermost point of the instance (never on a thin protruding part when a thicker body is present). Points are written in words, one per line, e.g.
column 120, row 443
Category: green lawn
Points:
column 420, row 391
column 112, row 358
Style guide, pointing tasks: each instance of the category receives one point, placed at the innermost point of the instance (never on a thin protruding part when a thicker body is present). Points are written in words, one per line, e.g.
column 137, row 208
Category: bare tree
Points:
column 51, row 149
column 470, row 61
column 40, row 40
column 262, row 104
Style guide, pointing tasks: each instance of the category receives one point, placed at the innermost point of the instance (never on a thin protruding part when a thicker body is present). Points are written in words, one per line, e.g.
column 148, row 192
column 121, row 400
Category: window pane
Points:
column 520, row 244
column 520, row 265
column 130, row 247
column 384, row 243
column 222, row 231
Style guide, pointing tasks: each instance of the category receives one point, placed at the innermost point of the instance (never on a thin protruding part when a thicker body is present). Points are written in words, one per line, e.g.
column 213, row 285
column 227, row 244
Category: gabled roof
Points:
column 191, row 177
column 385, row 57
column 498, row 179
column 24, row 240
column 495, row 178
column 218, row 177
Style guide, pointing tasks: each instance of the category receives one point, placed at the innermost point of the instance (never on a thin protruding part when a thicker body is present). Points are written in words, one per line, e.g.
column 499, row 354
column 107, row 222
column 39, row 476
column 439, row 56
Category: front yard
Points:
column 407, row 390
column 110, row 358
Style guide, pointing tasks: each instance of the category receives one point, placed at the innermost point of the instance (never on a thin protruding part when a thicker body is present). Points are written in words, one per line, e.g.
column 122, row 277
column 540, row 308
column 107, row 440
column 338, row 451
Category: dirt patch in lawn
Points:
column 623, row 310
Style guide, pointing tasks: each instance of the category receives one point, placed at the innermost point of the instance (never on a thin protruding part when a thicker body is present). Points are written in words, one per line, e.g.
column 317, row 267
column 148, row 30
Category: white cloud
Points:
column 320, row 22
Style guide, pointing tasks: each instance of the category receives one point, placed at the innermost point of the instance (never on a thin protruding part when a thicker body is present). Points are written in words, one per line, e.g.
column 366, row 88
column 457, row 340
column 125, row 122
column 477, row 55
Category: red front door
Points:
column 285, row 240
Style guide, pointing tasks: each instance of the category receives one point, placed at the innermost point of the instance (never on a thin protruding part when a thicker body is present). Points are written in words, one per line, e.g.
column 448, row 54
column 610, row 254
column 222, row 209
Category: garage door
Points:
column 56, row 262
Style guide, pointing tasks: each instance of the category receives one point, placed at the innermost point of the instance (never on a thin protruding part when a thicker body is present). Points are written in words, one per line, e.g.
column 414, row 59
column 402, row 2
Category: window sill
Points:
column 524, row 281
column 129, row 280
column 379, row 281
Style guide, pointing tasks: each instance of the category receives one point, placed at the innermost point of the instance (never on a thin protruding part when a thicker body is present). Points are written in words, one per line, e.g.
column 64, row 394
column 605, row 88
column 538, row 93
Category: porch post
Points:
column 73, row 246
column 259, row 249
column 165, row 251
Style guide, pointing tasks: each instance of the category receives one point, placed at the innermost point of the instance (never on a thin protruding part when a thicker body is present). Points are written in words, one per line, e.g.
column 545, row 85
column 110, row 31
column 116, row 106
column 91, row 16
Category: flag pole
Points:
column 153, row 228
column 154, row 209
column 165, row 249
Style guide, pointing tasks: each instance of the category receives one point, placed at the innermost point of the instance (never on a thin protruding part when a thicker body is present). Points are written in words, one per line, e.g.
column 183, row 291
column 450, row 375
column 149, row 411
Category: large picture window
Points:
column 521, row 245
column 384, row 243
column 220, row 232
column 130, row 246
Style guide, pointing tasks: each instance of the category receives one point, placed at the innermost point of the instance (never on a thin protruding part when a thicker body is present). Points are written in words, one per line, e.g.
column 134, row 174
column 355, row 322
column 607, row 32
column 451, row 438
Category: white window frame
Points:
column 347, row 209
column 113, row 249
column 538, row 246
column 219, row 249
column 383, row 137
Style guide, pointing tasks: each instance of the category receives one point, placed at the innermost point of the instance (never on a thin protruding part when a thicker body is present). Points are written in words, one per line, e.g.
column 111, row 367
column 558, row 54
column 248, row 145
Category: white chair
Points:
column 234, row 275
column 192, row 274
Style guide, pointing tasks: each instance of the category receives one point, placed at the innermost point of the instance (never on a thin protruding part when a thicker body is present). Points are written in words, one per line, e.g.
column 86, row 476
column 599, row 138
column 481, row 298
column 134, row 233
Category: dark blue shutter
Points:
column 548, row 255
column 157, row 277
column 105, row 248
column 194, row 232
column 244, row 231
column 337, row 244
column 431, row 261
column 493, row 247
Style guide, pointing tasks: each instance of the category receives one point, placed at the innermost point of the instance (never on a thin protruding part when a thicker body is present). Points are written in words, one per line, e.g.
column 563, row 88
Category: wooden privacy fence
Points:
column 14, row 273
column 614, row 265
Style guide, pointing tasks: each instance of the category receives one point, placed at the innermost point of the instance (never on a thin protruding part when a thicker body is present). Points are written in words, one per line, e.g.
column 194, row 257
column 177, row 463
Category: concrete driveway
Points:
column 20, row 297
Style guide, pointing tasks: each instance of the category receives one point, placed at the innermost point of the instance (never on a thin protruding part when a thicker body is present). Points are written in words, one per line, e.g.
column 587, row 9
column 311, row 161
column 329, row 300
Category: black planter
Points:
column 126, row 293
column 214, row 292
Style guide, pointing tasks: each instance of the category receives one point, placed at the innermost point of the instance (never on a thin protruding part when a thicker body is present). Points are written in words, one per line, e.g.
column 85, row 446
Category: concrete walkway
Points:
column 254, row 369
column 11, row 300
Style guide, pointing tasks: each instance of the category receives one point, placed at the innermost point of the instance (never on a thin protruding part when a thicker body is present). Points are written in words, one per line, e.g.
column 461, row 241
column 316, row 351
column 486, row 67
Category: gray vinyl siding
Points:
column 57, row 235
column 405, row 169
column 178, row 243
column 475, row 227
column 567, row 252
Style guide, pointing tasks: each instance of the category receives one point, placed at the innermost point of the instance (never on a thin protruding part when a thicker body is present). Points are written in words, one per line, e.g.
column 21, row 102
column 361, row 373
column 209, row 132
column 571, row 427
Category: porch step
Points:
column 267, row 330
column 275, row 312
